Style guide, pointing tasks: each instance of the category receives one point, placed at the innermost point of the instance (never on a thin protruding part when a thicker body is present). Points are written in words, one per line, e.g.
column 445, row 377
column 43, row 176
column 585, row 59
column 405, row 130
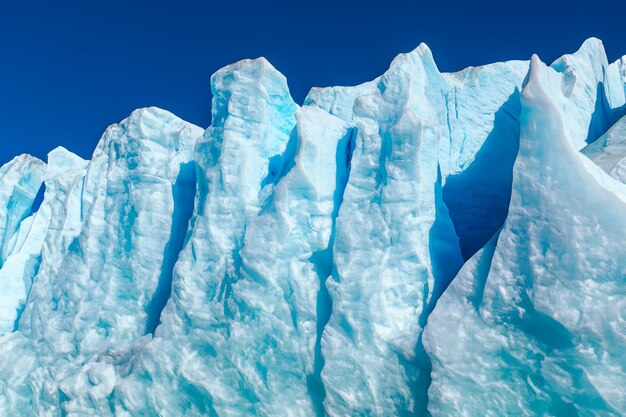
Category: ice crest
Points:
column 425, row 243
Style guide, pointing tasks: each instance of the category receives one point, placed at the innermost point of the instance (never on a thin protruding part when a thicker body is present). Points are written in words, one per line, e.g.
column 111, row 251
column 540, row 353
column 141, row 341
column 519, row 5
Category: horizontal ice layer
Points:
column 287, row 260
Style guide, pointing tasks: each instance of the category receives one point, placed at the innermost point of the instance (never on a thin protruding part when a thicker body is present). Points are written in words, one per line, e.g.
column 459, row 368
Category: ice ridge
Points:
column 425, row 243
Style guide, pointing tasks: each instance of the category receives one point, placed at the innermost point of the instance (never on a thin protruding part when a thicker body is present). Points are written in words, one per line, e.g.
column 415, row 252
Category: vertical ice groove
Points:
column 21, row 267
column 81, row 288
column 478, row 198
column 446, row 261
column 533, row 297
column 183, row 193
column 38, row 199
column 324, row 266
column 21, row 179
column 33, row 264
column 444, row 249
column 208, row 328
column 382, row 273
column 309, row 189
column 319, row 272
column 123, row 234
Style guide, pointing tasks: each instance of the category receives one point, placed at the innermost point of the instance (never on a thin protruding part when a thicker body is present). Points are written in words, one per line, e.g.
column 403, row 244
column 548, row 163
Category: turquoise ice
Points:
column 426, row 243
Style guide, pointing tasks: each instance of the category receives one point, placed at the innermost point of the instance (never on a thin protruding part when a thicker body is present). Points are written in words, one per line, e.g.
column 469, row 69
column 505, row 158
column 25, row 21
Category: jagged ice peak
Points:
column 426, row 243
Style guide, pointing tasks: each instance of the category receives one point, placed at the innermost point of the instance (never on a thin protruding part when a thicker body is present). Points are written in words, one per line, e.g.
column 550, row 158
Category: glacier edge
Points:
column 315, row 260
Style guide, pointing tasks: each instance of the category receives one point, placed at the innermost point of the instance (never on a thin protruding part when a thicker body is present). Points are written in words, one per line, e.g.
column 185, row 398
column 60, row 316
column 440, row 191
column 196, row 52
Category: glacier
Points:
column 423, row 244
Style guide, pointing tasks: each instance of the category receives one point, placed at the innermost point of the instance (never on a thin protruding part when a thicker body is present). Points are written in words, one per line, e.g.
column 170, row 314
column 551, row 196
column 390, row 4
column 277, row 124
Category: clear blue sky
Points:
column 68, row 68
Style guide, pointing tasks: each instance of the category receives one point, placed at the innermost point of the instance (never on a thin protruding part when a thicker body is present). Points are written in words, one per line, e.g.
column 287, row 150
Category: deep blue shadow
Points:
column 443, row 245
column 33, row 263
column 38, row 198
column 603, row 116
column 478, row 198
column 184, row 192
column 324, row 265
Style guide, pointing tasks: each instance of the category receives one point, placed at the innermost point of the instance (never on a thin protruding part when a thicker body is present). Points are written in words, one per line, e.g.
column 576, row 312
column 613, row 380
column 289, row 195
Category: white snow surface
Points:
column 426, row 243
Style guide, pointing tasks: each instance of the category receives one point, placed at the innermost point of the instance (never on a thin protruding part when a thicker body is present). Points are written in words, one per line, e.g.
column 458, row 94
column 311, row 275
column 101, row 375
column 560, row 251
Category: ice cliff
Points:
column 427, row 243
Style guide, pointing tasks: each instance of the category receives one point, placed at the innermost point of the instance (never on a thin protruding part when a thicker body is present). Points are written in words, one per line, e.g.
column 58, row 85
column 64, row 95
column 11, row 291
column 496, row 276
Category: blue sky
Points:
column 68, row 68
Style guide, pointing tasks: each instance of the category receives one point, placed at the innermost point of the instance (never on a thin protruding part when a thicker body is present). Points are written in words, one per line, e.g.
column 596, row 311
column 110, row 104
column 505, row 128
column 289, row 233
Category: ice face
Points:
column 425, row 242
column 609, row 151
column 101, row 244
column 221, row 339
column 21, row 179
column 526, row 323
